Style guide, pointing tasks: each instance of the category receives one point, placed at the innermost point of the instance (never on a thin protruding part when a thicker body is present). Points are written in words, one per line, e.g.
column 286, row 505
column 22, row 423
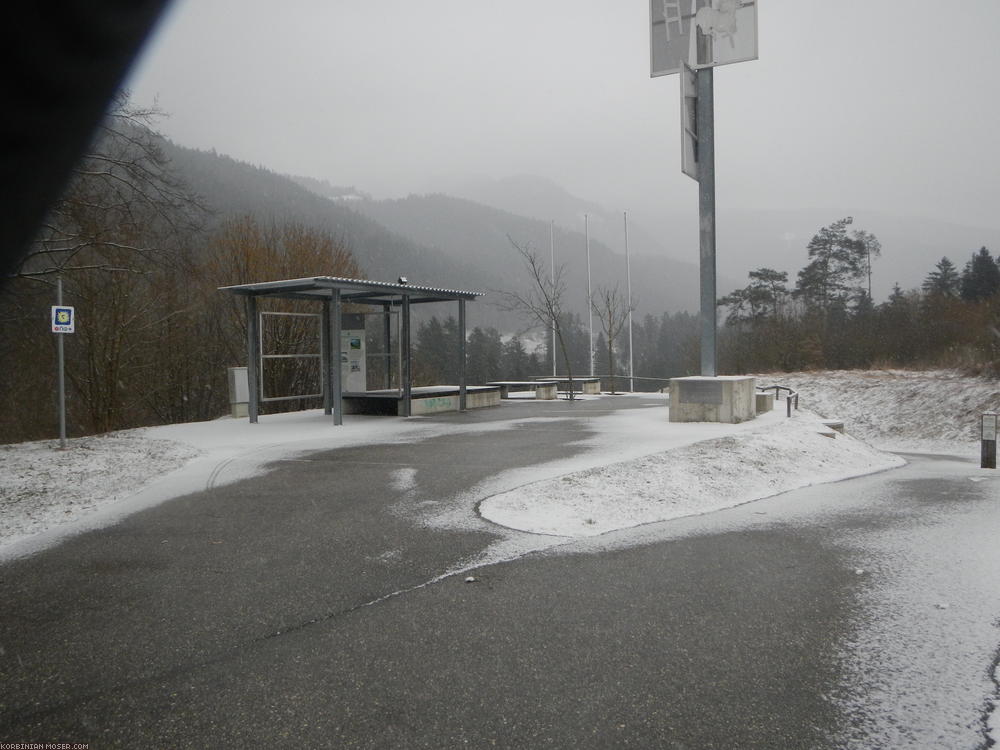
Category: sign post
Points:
column 63, row 321
column 712, row 32
column 988, row 435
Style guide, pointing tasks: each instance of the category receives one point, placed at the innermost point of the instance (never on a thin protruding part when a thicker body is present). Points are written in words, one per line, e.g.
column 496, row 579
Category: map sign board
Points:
column 63, row 319
column 689, row 122
column 702, row 33
column 989, row 431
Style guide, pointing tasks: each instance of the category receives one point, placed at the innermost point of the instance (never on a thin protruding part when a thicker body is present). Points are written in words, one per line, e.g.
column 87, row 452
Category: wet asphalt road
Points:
column 290, row 609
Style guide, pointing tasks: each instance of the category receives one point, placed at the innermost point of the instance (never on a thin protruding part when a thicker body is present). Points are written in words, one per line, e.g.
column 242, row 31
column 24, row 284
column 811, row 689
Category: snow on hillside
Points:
column 932, row 411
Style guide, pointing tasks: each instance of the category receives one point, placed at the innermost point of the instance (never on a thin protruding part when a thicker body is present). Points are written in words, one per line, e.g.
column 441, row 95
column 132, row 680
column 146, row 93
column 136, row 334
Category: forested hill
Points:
column 434, row 239
column 230, row 188
column 480, row 237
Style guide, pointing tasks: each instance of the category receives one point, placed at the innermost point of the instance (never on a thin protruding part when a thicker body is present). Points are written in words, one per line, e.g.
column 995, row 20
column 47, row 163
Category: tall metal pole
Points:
column 253, row 360
column 705, row 113
column 387, row 339
column 552, row 277
column 62, row 372
column 590, row 293
column 336, row 324
column 463, row 388
column 329, row 358
column 406, row 351
column 628, row 281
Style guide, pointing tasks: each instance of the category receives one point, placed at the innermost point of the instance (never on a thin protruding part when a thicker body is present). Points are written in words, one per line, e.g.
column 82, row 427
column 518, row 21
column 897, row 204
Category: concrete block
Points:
column 546, row 392
column 727, row 398
column 765, row 402
column 835, row 424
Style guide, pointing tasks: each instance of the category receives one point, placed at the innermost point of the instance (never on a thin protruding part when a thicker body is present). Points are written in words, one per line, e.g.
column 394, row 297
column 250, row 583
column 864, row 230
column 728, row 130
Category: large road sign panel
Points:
column 689, row 121
column 725, row 31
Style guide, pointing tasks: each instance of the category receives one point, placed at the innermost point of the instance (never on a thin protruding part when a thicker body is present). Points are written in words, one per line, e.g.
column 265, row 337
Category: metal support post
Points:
column 706, row 215
column 61, row 356
column 405, row 341
column 327, row 360
column 253, row 360
column 462, row 374
column 337, row 381
column 387, row 339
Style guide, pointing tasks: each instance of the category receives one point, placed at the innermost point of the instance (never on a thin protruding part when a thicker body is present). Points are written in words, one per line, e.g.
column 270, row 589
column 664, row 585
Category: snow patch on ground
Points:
column 920, row 666
column 709, row 475
column 42, row 486
column 405, row 479
column 47, row 494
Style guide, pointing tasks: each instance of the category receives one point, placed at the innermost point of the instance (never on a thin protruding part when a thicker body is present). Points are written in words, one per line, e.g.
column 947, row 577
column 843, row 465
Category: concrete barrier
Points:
column 726, row 398
column 764, row 402
column 545, row 390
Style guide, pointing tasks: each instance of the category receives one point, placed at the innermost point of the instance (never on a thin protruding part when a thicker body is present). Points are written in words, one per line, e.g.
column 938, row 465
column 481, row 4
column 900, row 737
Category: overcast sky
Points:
column 853, row 105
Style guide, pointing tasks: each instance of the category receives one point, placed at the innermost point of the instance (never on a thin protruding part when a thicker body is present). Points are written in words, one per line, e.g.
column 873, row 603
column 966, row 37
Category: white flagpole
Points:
column 552, row 259
column 590, row 293
column 628, row 277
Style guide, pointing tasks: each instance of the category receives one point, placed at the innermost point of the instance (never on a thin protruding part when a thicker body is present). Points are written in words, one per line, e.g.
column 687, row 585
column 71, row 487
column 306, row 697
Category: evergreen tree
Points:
column 900, row 333
column 601, row 362
column 430, row 353
column 533, row 365
column 484, row 353
column 763, row 297
column 452, row 337
column 981, row 277
column 515, row 360
column 943, row 280
column 838, row 261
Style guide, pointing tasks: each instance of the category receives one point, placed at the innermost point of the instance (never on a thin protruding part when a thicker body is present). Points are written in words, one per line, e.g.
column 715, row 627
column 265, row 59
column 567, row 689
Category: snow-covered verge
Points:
column 42, row 486
column 930, row 411
column 709, row 475
column 47, row 493
column 639, row 469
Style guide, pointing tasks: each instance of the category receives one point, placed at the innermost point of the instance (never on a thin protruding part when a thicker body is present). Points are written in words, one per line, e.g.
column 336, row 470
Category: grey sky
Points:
column 853, row 105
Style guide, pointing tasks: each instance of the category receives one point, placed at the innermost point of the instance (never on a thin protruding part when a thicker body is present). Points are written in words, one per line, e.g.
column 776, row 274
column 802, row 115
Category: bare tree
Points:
column 244, row 251
column 543, row 302
column 612, row 309
column 122, row 206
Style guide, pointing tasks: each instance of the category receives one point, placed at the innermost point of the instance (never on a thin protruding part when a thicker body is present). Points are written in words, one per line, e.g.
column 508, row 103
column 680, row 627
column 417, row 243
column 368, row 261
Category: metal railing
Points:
column 792, row 396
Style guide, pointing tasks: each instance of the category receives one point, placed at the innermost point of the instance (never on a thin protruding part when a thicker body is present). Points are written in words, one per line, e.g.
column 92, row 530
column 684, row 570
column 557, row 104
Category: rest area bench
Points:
column 544, row 389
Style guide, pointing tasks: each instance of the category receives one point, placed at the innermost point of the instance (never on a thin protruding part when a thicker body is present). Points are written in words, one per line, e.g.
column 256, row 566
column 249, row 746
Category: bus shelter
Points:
column 333, row 293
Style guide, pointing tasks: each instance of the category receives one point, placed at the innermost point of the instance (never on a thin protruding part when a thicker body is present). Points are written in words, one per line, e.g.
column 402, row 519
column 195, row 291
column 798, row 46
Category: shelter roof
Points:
column 363, row 291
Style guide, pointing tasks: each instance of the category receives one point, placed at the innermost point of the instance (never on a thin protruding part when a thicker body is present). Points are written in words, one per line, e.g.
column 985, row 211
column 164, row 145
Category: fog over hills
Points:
column 479, row 237
column 747, row 240
column 433, row 239
column 464, row 241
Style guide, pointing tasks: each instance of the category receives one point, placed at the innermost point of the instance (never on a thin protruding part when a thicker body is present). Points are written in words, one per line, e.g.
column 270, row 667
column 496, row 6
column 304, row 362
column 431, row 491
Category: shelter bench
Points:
column 583, row 385
column 545, row 390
